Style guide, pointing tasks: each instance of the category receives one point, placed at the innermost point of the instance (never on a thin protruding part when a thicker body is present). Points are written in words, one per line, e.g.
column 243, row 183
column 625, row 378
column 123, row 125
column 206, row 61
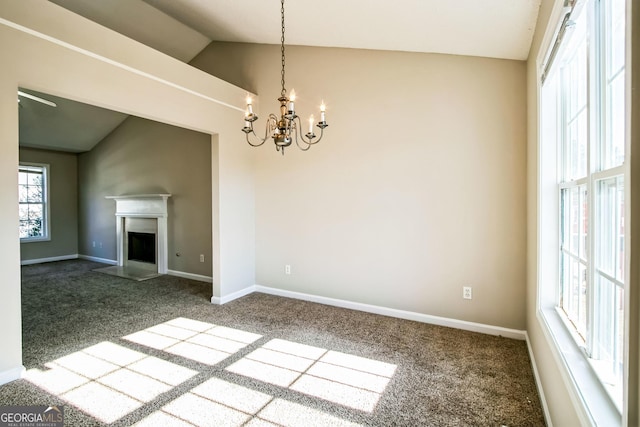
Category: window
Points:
column 583, row 102
column 33, row 202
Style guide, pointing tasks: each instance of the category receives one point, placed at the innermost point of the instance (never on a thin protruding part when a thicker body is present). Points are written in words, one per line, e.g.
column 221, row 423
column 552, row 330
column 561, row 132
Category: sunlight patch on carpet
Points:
column 264, row 372
column 150, row 339
column 234, row 334
column 162, row 419
column 351, row 381
column 285, row 413
column 337, row 392
column 203, row 412
column 217, row 402
column 108, row 381
column 162, row 370
column 199, row 341
column 214, row 402
column 232, row 395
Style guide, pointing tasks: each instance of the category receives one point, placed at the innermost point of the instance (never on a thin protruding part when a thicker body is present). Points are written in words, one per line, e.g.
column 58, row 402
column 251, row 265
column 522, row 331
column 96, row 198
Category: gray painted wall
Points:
column 140, row 157
column 63, row 199
column 417, row 189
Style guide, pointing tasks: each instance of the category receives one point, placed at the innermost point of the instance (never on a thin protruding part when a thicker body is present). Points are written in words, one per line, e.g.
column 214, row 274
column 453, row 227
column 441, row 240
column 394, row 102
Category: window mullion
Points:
column 614, row 75
column 608, row 173
column 594, row 75
column 573, row 183
column 610, row 278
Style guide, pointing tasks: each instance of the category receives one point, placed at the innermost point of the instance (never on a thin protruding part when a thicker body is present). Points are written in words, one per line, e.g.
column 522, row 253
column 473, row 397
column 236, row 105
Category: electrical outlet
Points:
column 201, row 257
column 287, row 269
column 466, row 292
column 94, row 243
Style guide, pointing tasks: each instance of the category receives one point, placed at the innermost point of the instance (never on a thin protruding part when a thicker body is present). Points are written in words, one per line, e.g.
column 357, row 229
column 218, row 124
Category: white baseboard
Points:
column 401, row 314
column 536, row 374
column 384, row 311
column 96, row 259
column 11, row 374
column 191, row 276
column 238, row 294
column 49, row 259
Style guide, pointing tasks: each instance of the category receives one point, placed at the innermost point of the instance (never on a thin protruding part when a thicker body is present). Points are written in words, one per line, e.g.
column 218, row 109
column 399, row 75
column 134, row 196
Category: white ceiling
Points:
column 490, row 28
column 182, row 28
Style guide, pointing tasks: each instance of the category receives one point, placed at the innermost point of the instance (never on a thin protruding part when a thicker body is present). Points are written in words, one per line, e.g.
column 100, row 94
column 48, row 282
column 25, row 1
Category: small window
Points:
column 33, row 202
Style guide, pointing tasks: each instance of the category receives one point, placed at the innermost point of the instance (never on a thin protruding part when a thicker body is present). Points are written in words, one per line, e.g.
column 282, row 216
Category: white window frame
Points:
column 591, row 399
column 46, row 235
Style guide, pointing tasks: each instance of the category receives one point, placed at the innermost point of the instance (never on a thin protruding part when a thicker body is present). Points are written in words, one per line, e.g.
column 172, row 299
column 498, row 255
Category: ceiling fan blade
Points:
column 37, row 98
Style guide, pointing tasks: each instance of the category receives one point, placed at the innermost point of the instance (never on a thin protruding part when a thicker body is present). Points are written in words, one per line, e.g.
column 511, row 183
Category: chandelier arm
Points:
column 262, row 141
column 273, row 120
column 320, row 137
column 305, row 148
column 306, row 140
column 302, row 137
column 270, row 121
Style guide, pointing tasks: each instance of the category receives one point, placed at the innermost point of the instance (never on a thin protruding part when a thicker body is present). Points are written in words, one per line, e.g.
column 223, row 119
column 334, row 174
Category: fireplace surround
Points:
column 138, row 218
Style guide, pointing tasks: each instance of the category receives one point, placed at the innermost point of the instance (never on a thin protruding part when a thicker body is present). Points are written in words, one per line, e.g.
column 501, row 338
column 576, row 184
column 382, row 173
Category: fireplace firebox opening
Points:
column 141, row 247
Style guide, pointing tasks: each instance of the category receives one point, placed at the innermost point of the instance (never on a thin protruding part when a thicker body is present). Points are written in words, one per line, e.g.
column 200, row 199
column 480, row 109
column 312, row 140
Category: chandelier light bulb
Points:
column 249, row 106
column 292, row 98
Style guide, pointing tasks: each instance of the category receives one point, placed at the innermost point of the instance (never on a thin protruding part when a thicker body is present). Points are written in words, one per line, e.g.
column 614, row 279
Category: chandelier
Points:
column 287, row 127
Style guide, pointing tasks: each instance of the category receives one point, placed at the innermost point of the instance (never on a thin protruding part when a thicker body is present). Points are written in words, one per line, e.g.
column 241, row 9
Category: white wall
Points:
column 10, row 320
column 49, row 49
column 416, row 190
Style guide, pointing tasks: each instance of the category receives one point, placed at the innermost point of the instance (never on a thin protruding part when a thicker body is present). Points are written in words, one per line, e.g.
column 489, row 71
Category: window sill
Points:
column 35, row 239
column 595, row 402
column 599, row 369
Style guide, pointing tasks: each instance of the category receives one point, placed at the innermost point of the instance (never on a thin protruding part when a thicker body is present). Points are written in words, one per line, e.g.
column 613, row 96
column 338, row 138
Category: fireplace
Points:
column 141, row 232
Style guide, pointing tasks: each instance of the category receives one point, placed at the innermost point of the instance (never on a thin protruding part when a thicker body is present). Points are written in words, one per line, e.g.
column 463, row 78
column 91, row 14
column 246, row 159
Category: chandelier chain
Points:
column 284, row 91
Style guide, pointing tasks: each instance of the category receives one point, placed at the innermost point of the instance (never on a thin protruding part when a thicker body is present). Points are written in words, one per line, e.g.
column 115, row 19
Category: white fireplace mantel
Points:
column 143, row 206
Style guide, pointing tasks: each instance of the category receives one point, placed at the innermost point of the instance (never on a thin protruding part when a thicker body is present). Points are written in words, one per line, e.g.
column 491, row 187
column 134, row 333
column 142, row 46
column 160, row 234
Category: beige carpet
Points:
column 118, row 352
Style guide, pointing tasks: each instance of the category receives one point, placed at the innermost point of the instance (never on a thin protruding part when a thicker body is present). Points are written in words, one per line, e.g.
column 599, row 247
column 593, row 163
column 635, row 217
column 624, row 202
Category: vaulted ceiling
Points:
column 69, row 126
column 490, row 28
column 182, row 28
